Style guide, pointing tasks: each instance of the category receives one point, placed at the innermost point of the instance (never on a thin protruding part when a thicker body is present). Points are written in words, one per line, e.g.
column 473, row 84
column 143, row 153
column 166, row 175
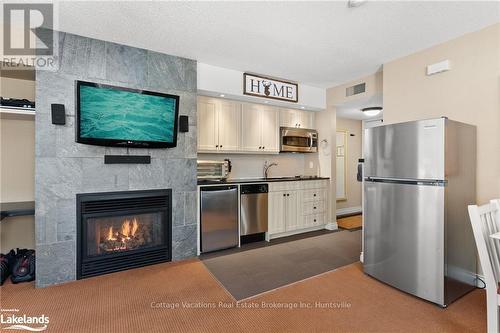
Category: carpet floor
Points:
column 151, row 299
column 249, row 273
column 350, row 222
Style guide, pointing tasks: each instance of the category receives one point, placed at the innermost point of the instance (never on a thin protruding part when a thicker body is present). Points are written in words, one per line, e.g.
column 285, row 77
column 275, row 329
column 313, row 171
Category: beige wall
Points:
column 469, row 92
column 353, row 187
column 17, row 180
column 17, row 166
column 17, row 88
column 374, row 86
column 326, row 123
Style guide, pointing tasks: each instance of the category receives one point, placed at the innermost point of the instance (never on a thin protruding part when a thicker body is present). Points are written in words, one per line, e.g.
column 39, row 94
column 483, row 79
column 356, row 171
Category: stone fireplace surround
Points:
column 64, row 168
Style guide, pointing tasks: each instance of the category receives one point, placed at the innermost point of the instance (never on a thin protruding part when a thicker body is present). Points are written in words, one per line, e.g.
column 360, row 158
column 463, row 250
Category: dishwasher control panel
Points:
column 254, row 188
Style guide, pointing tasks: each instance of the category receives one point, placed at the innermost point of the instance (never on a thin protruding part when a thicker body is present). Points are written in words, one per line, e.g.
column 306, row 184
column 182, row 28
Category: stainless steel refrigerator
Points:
column 419, row 178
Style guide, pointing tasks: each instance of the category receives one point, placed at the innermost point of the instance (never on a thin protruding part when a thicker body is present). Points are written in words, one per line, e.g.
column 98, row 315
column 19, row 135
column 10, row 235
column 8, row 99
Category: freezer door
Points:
column 404, row 237
column 219, row 218
column 412, row 150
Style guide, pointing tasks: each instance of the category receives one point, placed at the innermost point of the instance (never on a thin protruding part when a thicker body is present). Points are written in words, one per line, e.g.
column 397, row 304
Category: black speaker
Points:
column 58, row 114
column 127, row 159
column 183, row 124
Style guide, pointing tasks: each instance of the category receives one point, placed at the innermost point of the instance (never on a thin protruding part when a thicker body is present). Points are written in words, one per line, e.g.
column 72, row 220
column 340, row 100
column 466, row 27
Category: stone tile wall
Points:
column 64, row 168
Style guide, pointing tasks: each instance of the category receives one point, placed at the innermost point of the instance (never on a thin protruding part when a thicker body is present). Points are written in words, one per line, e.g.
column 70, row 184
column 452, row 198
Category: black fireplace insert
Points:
column 122, row 230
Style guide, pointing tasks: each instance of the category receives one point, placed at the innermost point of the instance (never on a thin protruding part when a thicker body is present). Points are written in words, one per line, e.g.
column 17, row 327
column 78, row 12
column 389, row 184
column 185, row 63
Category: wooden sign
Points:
column 261, row 86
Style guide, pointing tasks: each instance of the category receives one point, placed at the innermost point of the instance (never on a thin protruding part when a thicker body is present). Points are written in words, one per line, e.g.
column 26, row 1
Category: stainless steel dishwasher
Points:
column 219, row 217
column 253, row 216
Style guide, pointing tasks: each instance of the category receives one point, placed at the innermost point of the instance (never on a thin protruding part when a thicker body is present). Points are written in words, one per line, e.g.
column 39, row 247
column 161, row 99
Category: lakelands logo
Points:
column 24, row 322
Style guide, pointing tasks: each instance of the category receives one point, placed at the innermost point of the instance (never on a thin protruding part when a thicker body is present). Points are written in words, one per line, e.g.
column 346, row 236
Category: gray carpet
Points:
column 248, row 273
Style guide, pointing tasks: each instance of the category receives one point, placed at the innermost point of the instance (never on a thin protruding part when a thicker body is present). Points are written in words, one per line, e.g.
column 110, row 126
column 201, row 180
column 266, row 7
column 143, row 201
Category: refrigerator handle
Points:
column 359, row 175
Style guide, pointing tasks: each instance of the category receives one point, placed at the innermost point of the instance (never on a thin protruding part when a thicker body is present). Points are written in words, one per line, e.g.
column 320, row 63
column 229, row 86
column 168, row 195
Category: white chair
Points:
column 485, row 222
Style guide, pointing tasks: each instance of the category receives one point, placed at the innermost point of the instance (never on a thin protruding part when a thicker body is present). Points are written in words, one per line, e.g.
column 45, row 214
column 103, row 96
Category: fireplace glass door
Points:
column 123, row 233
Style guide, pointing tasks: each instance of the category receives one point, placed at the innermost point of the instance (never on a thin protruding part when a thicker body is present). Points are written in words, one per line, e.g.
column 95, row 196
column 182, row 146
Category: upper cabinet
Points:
column 229, row 114
column 259, row 132
column 296, row 118
column 219, row 123
column 238, row 127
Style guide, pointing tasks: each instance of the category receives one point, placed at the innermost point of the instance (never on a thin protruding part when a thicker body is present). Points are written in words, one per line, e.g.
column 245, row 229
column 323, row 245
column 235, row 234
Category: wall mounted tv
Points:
column 117, row 116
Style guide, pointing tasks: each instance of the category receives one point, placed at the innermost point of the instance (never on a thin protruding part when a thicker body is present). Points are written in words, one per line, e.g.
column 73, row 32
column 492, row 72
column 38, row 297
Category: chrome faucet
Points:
column 267, row 166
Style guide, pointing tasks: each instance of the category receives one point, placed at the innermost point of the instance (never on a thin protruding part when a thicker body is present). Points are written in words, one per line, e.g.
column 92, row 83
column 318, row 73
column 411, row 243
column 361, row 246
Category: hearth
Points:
column 122, row 230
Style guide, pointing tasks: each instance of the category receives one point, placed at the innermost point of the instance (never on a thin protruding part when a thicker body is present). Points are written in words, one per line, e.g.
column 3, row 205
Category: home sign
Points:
column 261, row 86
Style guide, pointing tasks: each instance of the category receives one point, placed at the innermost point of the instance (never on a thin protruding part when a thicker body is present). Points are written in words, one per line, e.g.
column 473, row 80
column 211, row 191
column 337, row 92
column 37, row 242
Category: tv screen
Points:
column 116, row 116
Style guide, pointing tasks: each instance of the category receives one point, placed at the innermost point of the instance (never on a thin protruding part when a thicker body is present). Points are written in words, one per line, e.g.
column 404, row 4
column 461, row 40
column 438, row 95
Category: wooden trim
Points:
column 296, row 100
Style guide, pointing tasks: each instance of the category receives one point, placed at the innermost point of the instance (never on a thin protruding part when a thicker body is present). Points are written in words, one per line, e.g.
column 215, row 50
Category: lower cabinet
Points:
column 296, row 206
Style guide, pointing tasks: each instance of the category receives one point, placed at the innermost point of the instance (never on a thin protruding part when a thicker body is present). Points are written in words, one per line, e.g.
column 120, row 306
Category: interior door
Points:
column 251, row 128
column 229, row 122
column 270, row 130
column 404, row 237
column 207, row 124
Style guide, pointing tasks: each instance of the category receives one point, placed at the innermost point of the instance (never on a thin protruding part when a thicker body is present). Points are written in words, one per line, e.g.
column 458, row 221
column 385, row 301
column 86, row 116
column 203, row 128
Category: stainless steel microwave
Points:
column 299, row 140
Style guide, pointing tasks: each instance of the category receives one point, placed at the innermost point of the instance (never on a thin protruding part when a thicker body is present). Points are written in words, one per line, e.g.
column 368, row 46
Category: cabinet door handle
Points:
column 263, row 147
column 216, row 146
column 314, row 220
column 314, row 194
column 314, row 207
column 288, row 195
column 220, row 146
column 260, row 147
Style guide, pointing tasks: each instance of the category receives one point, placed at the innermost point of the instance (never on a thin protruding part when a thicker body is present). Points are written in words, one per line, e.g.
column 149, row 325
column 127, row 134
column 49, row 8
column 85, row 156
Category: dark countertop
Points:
column 257, row 180
column 9, row 209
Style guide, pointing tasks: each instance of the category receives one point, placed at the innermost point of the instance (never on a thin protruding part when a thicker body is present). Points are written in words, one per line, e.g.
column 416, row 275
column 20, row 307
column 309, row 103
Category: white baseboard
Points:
column 348, row 210
column 294, row 232
column 331, row 226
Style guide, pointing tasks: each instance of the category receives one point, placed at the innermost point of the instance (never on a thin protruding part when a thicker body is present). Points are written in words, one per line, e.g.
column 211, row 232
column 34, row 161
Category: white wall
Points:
column 251, row 166
column 213, row 81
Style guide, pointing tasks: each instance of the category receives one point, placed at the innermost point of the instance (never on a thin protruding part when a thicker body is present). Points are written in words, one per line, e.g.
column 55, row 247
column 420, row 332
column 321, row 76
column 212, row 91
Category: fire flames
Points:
column 127, row 232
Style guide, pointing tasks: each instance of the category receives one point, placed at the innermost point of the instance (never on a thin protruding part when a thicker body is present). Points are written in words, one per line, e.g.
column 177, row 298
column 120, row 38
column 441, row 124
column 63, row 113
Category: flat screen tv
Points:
column 116, row 116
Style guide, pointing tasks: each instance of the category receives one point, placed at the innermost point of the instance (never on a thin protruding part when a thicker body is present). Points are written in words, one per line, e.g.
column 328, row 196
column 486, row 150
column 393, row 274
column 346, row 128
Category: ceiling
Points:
column 352, row 108
column 316, row 43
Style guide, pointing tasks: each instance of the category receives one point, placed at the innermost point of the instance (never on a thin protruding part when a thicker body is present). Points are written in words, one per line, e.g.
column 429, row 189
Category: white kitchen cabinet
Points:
column 270, row 130
column 251, row 128
column 276, row 212
column 292, row 221
column 296, row 118
column 207, row 125
column 219, row 123
column 229, row 122
column 297, row 206
column 259, row 128
column 282, row 215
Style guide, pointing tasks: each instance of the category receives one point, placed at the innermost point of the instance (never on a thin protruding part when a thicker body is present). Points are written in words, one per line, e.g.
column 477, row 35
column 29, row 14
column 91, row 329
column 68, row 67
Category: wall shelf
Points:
column 10, row 209
column 17, row 113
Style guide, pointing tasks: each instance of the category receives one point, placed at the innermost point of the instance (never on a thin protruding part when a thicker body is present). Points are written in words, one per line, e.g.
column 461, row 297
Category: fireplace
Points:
column 122, row 230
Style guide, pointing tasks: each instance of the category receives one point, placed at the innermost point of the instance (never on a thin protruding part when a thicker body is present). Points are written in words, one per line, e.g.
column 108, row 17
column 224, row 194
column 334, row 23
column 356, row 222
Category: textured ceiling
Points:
column 318, row 43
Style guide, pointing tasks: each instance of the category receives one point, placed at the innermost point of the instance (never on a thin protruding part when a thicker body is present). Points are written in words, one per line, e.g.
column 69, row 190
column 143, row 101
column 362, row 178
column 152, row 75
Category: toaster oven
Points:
column 214, row 170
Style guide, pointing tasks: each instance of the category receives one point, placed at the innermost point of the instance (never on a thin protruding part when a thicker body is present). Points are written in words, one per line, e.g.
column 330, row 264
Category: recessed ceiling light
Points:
column 222, row 95
column 372, row 111
column 302, row 107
